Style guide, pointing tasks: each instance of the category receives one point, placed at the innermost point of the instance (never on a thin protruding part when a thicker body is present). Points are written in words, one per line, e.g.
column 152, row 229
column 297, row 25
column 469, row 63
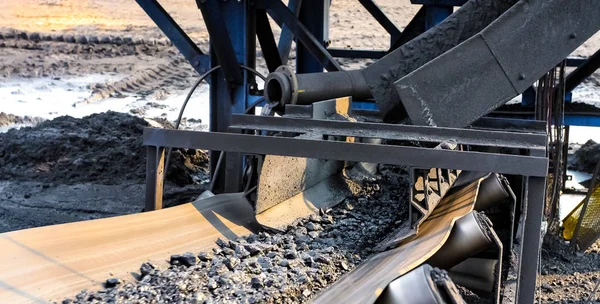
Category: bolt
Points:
column 521, row 76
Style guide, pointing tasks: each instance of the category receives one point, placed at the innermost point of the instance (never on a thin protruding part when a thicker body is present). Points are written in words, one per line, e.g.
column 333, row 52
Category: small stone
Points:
column 200, row 297
column 253, row 249
column 205, row 256
column 189, row 259
column 290, row 254
column 322, row 259
column 284, row 263
column 27, row 195
column 212, row 284
column 231, row 263
column 112, row 282
column 222, row 243
column 344, row 266
column 547, row 288
column 313, row 234
column 146, row 269
column 256, row 283
column 308, row 261
column 175, row 260
column 241, row 252
column 313, row 227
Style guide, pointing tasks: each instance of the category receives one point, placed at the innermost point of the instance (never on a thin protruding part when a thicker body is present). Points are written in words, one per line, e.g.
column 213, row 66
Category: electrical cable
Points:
column 185, row 103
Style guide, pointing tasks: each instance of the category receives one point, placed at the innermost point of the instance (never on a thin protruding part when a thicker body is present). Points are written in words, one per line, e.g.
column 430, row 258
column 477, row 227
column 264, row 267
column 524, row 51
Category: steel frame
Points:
column 533, row 165
column 233, row 43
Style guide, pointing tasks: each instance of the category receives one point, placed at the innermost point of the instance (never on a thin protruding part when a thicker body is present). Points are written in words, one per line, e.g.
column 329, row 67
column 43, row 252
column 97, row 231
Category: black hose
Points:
column 184, row 105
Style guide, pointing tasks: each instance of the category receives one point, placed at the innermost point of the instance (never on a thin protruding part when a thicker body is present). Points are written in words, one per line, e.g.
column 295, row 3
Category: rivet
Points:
column 521, row 76
column 573, row 36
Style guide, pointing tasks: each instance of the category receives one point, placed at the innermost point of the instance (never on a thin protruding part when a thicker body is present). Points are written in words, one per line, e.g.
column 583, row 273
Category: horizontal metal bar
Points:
column 390, row 131
column 358, row 152
column 346, row 53
column 515, row 125
column 582, row 72
column 575, row 62
column 440, row 2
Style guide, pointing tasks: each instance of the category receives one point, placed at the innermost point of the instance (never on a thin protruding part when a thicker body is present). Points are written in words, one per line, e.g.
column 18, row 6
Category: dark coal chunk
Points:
column 146, row 269
column 257, row 283
column 112, row 282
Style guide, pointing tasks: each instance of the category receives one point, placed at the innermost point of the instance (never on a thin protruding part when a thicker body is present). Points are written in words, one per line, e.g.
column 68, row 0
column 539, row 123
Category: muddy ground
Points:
column 72, row 169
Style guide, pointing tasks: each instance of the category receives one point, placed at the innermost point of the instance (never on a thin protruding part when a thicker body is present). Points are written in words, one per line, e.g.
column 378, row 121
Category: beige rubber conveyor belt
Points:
column 46, row 264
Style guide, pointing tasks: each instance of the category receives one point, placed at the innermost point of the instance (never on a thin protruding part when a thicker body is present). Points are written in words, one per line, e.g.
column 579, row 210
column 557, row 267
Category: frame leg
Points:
column 155, row 167
column 531, row 238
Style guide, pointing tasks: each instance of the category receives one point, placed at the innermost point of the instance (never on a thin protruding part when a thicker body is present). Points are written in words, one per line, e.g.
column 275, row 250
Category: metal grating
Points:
column 589, row 226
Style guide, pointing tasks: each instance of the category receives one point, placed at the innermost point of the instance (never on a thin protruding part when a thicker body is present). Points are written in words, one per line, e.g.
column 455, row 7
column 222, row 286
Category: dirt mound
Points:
column 101, row 148
column 9, row 119
column 586, row 157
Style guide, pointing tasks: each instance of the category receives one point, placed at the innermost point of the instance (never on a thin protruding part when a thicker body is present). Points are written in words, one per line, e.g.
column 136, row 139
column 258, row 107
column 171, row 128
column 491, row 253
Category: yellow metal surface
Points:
column 589, row 229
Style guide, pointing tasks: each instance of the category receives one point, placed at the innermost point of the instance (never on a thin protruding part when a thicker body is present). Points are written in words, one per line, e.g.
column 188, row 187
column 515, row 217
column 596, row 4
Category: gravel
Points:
column 268, row 267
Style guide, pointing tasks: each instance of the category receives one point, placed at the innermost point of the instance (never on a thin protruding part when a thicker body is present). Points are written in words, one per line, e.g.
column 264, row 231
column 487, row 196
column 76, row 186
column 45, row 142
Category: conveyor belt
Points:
column 49, row 263
column 367, row 282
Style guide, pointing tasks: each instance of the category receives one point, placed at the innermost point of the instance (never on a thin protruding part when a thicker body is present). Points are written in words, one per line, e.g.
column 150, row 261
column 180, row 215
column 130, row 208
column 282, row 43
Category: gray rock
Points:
column 253, row 249
column 313, row 227
column 290, row 254
column 205, row 256
column 222, row 243
column 212, row 284
column 231, row 263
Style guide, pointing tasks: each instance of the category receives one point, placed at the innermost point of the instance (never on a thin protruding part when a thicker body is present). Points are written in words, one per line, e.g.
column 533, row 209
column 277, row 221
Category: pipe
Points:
column 286, row 87
column 377, row 80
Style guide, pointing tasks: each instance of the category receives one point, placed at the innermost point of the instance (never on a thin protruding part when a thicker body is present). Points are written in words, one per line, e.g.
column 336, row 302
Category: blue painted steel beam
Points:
column 225, row 99
column 178, row 37
column 282, row 15
column 286, row 37
column 220, row 40
column 314, row 15
column 436, row 14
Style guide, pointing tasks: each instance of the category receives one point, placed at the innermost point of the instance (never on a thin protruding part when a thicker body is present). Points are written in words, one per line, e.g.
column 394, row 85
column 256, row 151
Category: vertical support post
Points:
column 155, row 167
column 565, row 155
column 435, row 14
column 315, row 17
column 226, row 99
column 533, row 208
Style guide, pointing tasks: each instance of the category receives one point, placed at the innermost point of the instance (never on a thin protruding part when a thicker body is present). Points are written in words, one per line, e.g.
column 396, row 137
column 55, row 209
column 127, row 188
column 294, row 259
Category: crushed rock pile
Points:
column 286, row 267
column 586, row 157
column 101, row 148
